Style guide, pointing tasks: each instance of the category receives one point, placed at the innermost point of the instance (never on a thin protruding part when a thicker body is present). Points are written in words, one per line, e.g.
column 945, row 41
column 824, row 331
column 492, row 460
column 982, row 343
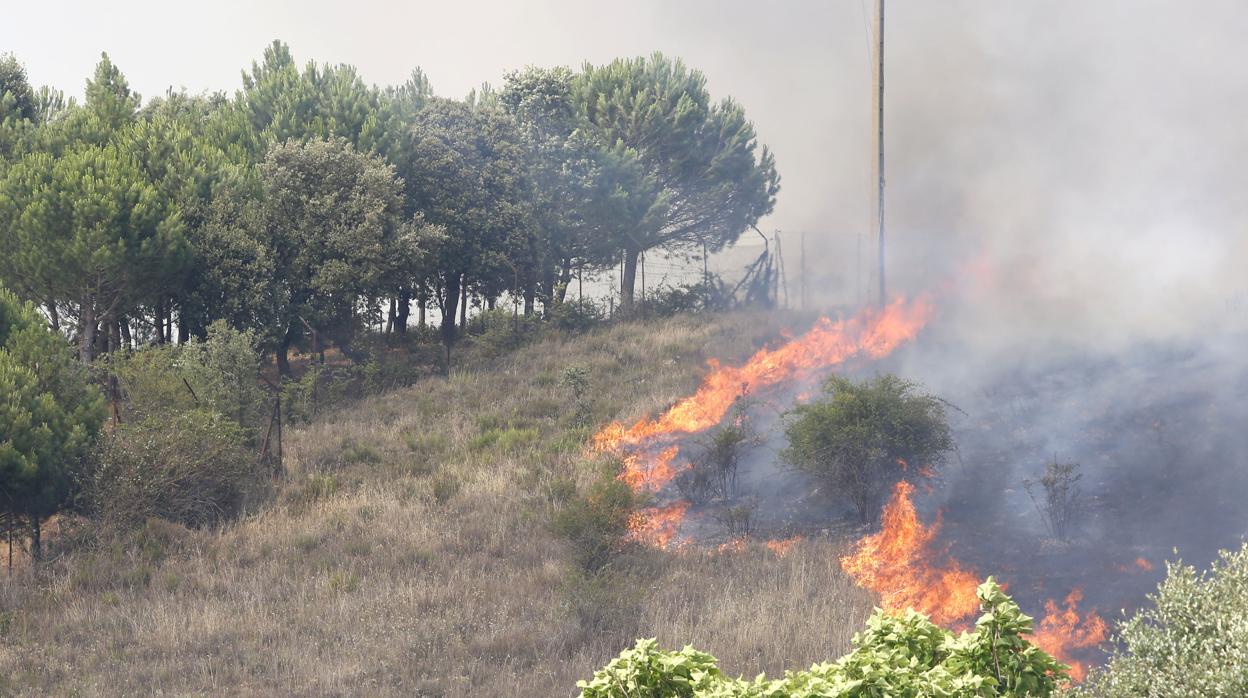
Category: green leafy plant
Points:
column 1192, row 641
column 862, row 437
column 904, row 656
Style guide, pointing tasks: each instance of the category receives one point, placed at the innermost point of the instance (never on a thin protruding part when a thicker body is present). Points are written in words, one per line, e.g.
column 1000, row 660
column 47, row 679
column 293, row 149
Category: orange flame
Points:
column 872, row 333
column 1143, row 564
column 899, row 565
column 657, row 526
column 783, row 547
column 736, row 545
column 1063, row 631
column 641, row 474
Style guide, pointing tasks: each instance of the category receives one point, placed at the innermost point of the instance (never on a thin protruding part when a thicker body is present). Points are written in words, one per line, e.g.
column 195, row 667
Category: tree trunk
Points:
column 390, row 317
column 127, row 340
column 54, row 318
column 421, row 304
column 283, row 352
column 463, row 307
column 402, row 311
column 86, row 334
column 528, row 300
column 565, row 280
column 627, row 280
column 450, row 305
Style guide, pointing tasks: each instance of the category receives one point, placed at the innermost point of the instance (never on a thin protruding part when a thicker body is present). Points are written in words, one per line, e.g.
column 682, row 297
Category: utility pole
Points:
column 802, row 267
column 877, row 120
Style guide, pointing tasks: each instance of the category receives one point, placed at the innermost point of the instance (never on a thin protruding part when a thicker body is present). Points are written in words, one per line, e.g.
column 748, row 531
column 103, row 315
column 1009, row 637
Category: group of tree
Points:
column 312, row 201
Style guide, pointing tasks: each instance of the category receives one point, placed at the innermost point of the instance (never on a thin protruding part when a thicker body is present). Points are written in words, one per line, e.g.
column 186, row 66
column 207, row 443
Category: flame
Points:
column 736, row 545
column 647, row 449
column 1143, row 564
column 644, row 474
column 1063, row 631
column 873, row 333
column 783, row 547
column 657, row 526
column 898, row 563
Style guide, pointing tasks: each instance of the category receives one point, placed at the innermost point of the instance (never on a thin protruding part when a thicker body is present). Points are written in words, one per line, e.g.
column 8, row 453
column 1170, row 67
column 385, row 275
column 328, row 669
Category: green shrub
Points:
column 904, row 656
column 220, row 373
column 862, row 437
column 595, row 524
column 498, row 332
column 1193, row 641
column 355, row 452
column 189, row 468
column 577, row 316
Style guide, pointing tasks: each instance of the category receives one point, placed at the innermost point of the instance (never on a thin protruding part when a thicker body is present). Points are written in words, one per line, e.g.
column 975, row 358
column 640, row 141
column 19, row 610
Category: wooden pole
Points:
column 877, row 117
column 801, row 264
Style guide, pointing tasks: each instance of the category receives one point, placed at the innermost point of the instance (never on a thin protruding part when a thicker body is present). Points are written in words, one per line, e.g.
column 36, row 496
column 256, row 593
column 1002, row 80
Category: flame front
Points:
column 1064, row 631
column 872, row 333
column 899, row 564
column 657, row 526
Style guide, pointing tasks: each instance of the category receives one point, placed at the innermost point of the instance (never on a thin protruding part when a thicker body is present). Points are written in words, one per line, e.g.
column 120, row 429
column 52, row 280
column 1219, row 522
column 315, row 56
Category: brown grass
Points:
column 409, row 553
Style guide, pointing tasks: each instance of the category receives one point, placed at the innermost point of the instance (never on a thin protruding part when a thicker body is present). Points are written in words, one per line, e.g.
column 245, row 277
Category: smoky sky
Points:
column 1081, row 161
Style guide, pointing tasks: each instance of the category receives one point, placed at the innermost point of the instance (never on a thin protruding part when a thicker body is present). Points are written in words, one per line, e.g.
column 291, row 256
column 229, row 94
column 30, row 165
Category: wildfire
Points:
column 650, row 474
column 783, row 547
column 657, row 526
column 1063, row 631
column 899, row 564
column 872, row 333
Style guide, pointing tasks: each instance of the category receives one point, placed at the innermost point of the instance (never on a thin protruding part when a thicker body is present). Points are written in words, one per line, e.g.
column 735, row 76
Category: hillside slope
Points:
column 409, row 551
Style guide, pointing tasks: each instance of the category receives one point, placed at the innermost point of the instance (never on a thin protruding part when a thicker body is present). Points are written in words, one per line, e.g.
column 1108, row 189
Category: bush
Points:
column 499, row 331
column 666, row 301
column 1060, row 503
column 1193, row 641
column 596, row 523
column 220, row 373
column 577, row 316
column 864, row 437
column 895, row 656
column 187, row 468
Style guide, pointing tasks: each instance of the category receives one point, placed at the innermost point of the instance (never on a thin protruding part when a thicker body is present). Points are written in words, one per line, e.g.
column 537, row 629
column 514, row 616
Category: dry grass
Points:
column 409, row 553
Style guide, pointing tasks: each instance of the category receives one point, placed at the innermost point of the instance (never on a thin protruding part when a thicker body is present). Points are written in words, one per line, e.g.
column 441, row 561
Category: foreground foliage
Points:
column 894, row 657
column 1192, row 642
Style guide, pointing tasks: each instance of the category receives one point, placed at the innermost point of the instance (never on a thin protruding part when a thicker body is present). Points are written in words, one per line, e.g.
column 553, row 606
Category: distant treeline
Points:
column 311, row 201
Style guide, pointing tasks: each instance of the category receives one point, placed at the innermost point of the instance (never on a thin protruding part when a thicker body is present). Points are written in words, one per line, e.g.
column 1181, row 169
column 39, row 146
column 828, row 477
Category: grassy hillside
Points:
column 410, row 551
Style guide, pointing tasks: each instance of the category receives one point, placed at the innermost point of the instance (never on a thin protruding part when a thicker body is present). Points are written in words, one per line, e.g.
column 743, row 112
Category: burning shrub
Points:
column 864, row 437
column 713, row 473
column 1061, row 501
column 904, row 655
column 1192, row 642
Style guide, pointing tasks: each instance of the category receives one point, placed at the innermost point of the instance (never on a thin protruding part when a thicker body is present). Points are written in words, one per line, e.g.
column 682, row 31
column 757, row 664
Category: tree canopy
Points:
column 706, row 178
column 128, row 221
column 49, row 415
